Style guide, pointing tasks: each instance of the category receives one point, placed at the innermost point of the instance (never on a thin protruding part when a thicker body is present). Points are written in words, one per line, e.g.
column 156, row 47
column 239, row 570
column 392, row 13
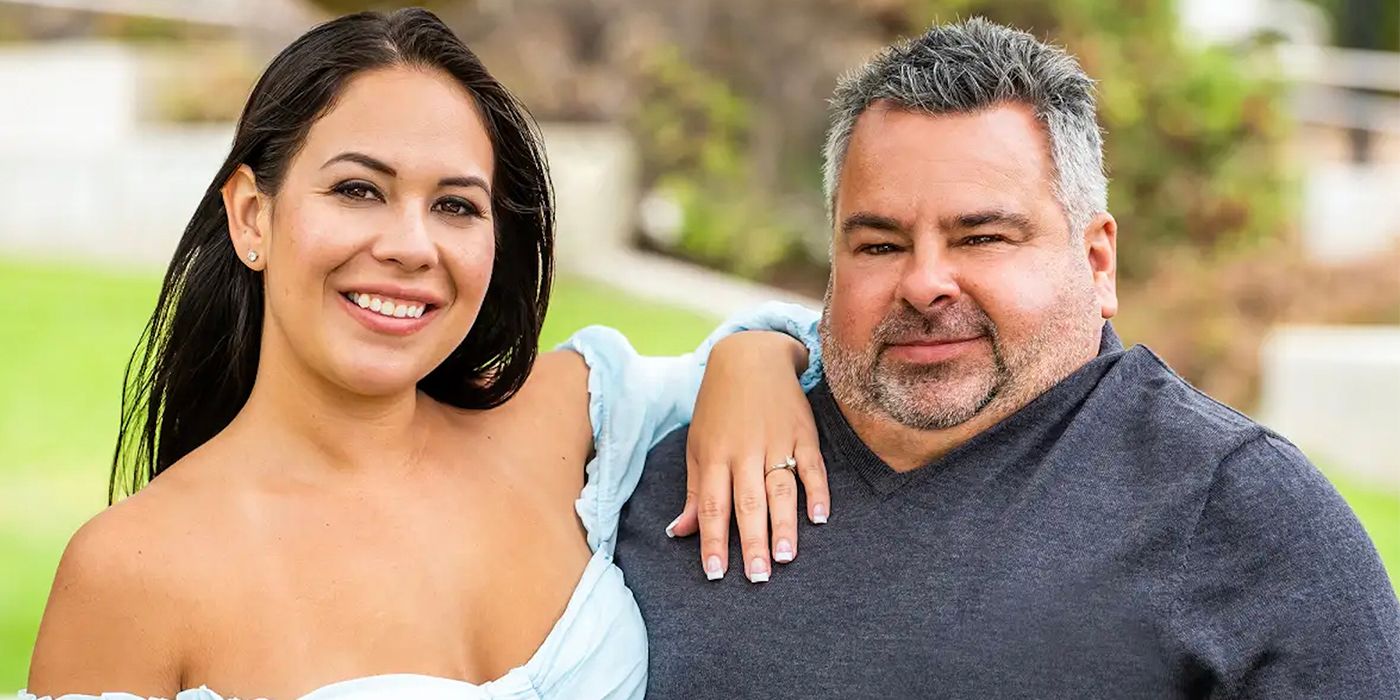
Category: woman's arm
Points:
column 751, row 415
column 638, row 400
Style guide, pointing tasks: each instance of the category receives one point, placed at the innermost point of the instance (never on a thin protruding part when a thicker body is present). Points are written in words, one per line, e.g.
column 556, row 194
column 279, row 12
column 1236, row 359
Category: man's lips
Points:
column 928, row 350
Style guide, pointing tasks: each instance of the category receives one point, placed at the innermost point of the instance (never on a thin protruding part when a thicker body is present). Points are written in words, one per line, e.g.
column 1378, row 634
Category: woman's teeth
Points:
column 385, row 307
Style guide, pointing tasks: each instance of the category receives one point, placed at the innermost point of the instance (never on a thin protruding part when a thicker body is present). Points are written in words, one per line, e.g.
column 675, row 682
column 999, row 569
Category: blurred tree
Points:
column 1194, row 135
column 726, row 100
column 1364, row 24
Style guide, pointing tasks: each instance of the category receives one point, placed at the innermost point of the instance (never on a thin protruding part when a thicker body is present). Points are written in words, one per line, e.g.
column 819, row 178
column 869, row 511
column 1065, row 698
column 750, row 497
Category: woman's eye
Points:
column 457, row 207
column 357, row 190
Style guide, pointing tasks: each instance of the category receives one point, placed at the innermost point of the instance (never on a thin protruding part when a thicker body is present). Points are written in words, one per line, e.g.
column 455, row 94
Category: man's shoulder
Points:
column 663, row 481
column 1144, row 416
column 669, row 452
column 1155, row 391
column 1144, row 407
column 1260, row 504
column 1269, row 483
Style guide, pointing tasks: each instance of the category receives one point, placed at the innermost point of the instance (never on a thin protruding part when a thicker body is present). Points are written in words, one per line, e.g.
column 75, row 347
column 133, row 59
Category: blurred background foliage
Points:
column 725, row 101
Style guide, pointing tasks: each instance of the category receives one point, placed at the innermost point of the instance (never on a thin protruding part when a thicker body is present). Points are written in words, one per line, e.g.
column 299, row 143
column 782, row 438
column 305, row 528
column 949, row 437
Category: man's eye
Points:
column 877, row 248
column 982, row 240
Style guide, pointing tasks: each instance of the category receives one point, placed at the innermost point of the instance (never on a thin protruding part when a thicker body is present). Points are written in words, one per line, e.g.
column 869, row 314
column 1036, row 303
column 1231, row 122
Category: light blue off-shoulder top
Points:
column 598, row 648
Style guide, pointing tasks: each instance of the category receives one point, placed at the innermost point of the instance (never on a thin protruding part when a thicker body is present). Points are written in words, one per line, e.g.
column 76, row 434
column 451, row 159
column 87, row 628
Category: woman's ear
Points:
column 248, row 217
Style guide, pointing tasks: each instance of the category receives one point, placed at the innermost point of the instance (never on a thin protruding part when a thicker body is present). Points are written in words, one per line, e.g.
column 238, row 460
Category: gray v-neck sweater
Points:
column 1122, row 536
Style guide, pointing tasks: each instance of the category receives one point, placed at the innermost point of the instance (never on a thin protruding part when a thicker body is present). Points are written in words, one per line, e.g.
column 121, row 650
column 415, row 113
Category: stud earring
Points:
column 252, row 256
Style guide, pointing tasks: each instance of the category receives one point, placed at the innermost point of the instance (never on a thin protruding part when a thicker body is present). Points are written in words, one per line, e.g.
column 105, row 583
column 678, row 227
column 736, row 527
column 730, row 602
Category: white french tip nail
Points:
column 671, row 529
column 783, row 552
column 758, row 571
column 819, row 514
column 713, row 570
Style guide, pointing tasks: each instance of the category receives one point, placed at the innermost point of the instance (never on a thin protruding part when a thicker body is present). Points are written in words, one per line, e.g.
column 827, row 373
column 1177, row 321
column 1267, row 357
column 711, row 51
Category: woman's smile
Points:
column 391, row 315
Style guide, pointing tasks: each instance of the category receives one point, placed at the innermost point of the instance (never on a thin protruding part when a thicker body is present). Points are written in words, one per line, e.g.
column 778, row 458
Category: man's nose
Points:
column 929, row 279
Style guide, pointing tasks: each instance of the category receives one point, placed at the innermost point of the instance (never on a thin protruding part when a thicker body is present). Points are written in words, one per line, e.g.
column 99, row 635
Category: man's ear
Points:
column 1101, row 249
column 249, row 216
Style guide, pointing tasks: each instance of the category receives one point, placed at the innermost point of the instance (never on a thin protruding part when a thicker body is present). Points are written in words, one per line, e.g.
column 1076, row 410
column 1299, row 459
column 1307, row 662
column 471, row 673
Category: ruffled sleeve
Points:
column 634, row 401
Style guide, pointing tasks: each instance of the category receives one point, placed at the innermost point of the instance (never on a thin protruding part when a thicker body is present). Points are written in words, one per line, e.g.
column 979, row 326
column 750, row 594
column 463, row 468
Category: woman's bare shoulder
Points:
column 554, row 398
column 142, row 539
column 120, row 596
column 152, row 542
column 560, row 375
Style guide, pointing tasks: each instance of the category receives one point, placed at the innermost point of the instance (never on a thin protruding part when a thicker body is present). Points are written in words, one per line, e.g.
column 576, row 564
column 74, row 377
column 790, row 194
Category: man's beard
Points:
column 932, row 396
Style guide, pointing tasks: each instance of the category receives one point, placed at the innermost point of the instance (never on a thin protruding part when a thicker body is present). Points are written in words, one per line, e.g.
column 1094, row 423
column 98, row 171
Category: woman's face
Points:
column 381, row 236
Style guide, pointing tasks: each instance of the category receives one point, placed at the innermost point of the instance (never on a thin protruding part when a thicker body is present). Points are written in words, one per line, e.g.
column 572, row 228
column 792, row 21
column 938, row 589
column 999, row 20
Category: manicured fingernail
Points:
column 758, row 571
column 819, row 513
column 671, row 529
column 713, row 570
column 783, row 552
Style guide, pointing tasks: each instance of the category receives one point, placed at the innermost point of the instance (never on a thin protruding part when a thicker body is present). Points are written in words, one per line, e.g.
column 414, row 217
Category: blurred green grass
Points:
column 61, row 360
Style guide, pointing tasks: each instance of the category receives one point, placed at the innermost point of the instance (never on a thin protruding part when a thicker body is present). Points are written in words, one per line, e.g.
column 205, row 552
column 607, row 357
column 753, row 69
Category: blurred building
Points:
column 1346, row 102
column 115, row 143
column 1333, row 389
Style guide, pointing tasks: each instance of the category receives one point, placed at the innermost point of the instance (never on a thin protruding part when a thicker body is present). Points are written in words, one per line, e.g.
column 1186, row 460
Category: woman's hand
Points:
column 750, row 416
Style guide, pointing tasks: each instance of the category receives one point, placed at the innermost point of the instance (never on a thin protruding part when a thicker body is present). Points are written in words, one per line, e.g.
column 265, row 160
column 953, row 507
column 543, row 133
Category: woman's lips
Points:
column 388, row 325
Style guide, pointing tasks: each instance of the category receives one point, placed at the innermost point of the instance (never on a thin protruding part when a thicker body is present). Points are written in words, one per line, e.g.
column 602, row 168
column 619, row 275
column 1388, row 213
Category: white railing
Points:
column 1337, row 67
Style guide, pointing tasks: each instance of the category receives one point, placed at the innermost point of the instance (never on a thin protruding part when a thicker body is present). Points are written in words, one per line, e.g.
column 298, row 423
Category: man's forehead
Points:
column 900, row 159
column 1009, row 133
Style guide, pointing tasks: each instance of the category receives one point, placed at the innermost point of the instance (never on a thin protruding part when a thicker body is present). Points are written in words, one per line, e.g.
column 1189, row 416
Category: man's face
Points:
column 957, row 287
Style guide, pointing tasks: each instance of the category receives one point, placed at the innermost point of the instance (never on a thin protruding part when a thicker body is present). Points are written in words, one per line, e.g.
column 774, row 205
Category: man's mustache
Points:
column 907, row 326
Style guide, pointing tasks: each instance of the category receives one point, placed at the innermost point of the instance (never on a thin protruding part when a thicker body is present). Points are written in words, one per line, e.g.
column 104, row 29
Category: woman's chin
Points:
column 380, row 379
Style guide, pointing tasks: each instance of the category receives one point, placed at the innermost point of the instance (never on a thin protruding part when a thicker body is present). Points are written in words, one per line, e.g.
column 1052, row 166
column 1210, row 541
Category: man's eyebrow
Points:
column 865, row 219
column 989, row 217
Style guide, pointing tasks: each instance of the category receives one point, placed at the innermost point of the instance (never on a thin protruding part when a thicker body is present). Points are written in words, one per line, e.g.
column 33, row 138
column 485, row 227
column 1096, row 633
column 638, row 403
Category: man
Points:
column 1021, row 507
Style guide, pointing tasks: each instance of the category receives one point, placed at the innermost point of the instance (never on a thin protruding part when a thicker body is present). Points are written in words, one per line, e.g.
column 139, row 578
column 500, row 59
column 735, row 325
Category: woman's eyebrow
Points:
column 368, row 161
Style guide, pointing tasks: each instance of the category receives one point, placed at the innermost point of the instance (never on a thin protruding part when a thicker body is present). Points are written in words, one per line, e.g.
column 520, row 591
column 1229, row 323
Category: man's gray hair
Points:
column 968, row 67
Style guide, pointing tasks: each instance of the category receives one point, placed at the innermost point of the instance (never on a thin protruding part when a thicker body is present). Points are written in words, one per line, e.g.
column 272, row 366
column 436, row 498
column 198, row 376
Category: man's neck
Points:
column 904, row 448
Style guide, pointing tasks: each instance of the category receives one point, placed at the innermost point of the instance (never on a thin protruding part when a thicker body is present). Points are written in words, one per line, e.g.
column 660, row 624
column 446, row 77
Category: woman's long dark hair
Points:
column 193, row 369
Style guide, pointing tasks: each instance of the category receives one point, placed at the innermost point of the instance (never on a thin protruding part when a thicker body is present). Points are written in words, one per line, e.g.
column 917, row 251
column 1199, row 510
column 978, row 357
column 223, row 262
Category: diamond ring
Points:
column 789, row 464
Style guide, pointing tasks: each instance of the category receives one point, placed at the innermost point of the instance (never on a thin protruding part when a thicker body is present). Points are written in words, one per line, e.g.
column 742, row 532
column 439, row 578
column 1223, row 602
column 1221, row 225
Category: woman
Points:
column 347, row 503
